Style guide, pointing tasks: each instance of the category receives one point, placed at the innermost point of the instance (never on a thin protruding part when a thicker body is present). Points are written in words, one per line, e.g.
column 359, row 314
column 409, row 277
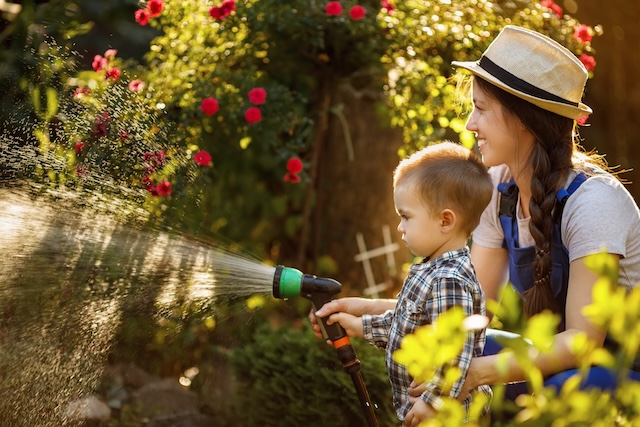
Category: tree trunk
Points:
column 614, row 92
column 355, row 193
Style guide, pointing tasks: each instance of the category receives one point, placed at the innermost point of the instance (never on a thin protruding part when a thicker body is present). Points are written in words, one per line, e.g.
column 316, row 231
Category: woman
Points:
column 553, row 205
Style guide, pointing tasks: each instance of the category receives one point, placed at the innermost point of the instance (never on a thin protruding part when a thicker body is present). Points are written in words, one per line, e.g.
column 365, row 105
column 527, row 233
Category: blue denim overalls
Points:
column 521, row 261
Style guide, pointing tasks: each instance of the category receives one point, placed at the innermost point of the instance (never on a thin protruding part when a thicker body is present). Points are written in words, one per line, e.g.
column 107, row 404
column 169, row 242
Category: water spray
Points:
column 289, row 282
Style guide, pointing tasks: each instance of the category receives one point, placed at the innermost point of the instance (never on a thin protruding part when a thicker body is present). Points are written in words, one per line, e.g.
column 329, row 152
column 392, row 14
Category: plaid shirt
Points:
column 431, row 287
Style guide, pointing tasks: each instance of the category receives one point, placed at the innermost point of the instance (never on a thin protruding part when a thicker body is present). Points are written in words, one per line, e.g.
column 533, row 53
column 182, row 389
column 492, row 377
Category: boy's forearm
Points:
column 380, row 306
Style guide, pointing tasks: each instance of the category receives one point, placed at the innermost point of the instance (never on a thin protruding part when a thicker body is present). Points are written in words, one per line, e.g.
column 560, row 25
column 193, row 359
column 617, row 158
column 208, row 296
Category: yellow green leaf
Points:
column 255, row 301
column 541, row 330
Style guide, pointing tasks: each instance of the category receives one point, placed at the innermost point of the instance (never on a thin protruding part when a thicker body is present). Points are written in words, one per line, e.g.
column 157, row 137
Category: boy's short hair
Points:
column 448, row 176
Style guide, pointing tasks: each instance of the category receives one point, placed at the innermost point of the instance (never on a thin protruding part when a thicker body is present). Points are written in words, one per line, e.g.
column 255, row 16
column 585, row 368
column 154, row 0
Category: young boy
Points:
column 439, row 194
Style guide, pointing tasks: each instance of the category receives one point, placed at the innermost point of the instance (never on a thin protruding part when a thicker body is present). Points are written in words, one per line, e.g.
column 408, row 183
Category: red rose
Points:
column 228, row 6
column 582, row 32
column 113, row 73
column 142, row 16
column 333, row 8
column 253, row 115
column 81, row 171
column 99, row 62
column 154, row 160
column 81, row 91
column 136, row 85
column 588, row 61
column 553, row 6
column 209, row 106
column 101, row 124
column 294, row 165
column 216, row 13
column 583, row 120
column 164, row 188
column 357, row 12
column 291, row 177
column 557, row 10
column 257, row 95
column 222, row 11
column 154, row 7
column 147, row 182
column 202, row 158
column 79, row 146
column 386, row 4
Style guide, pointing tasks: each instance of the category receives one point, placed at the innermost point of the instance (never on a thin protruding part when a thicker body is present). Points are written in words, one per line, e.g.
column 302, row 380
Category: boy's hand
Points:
column 350, row 323
column 350, row 305
column 421, row 411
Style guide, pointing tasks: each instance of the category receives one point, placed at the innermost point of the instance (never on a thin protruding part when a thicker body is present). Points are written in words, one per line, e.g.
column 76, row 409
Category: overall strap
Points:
column 508, row 198
column 522, row 260
column 507, row 213
column 563, row 194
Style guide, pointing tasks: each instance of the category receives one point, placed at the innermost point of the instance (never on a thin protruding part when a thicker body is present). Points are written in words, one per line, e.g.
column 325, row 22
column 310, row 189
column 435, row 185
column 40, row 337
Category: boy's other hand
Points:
column 421, row 411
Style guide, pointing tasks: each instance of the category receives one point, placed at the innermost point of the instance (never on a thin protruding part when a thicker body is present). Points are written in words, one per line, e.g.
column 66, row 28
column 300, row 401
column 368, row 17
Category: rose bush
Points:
column 241, row 80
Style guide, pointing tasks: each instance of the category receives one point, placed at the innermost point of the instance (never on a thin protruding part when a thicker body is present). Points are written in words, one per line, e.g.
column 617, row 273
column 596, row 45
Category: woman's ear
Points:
column 448, row 220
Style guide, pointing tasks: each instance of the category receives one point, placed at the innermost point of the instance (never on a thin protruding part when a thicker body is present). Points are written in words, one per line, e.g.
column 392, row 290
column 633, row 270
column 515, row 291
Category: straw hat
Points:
column 535, row 68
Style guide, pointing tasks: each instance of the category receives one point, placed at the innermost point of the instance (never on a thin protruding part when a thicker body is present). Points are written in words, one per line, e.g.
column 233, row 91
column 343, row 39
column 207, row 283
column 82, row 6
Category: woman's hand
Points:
column 471, row 381
column 415, row 391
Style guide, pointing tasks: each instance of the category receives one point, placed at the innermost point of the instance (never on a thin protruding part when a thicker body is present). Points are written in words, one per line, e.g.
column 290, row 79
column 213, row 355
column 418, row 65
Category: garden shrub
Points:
column 288, row 377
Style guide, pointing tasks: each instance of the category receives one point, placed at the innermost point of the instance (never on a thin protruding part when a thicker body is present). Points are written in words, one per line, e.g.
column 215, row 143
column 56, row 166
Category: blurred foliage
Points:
column 295, row 51
column 613, row 308
column 43, row 43
column 289, row 368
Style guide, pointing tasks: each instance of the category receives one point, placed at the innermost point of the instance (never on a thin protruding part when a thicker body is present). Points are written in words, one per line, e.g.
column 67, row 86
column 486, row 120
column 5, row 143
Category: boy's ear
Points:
column 448, row 220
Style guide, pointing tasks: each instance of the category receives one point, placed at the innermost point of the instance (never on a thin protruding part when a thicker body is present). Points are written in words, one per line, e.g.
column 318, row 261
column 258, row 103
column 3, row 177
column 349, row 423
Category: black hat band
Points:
column 518, row 84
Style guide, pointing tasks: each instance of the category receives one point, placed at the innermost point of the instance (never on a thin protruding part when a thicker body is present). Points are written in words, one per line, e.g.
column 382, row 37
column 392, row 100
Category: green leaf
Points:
column 52, row 103
column 35, row 99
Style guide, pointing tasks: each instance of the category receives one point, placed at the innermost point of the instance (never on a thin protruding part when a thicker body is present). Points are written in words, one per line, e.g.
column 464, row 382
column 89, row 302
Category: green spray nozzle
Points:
column 287, row 282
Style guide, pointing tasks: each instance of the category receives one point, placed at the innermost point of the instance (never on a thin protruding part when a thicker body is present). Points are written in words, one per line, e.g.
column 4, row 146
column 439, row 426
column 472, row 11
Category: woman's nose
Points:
column 471, row 123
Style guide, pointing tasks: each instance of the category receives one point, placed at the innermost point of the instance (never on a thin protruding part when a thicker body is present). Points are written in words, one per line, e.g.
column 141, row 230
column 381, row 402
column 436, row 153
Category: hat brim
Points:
column 565, row 110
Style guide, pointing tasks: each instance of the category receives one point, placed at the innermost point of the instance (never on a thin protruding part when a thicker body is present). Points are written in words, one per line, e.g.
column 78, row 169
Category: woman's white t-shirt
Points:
column 600, row 214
